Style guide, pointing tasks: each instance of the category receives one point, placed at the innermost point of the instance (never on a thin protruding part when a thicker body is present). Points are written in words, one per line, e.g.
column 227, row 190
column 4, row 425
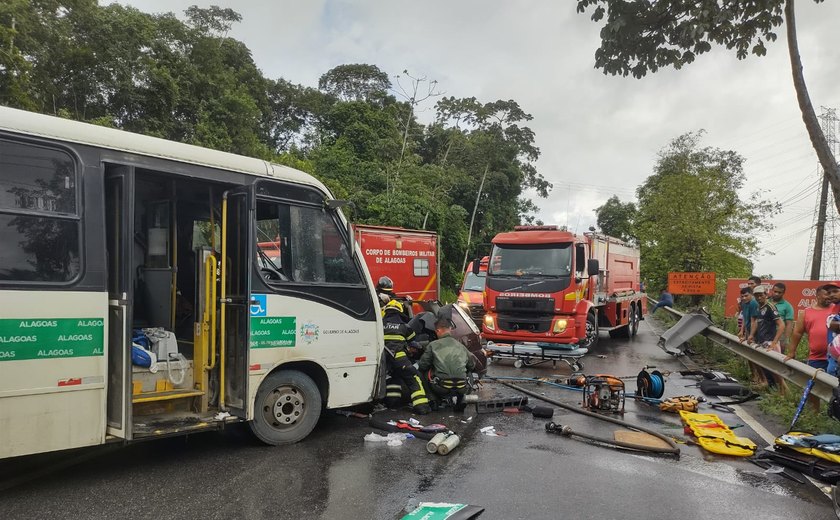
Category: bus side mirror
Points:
column 592, row 267
column 476, row 266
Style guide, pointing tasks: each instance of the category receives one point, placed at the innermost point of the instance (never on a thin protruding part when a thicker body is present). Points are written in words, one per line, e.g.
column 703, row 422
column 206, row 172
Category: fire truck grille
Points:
column 477, row 314
column 536, row 305
column 517, row 324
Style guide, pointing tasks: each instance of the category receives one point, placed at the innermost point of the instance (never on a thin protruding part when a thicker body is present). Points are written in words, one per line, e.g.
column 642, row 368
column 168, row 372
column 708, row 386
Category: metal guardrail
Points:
column 792, row 370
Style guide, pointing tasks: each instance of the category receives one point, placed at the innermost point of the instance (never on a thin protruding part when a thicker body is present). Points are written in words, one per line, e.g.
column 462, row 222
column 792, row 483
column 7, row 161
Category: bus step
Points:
column 165, row 396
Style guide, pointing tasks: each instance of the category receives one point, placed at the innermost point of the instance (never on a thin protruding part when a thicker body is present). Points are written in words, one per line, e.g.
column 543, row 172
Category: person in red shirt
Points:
column 813, row 323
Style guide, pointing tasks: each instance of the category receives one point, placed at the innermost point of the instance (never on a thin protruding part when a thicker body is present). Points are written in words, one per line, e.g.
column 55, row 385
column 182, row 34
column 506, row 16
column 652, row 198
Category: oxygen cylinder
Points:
column 448, row 444
column 432, row 445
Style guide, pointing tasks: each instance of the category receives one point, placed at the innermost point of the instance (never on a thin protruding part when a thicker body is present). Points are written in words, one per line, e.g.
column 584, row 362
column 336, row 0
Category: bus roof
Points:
column 40, row 125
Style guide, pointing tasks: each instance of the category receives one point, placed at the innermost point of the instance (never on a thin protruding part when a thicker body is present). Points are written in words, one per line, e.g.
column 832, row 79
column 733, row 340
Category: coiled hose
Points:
column 671, row 450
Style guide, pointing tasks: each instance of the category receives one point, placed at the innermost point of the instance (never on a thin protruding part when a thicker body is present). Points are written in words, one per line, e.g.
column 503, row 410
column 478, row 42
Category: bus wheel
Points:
column 591, row 338
column 287, row 408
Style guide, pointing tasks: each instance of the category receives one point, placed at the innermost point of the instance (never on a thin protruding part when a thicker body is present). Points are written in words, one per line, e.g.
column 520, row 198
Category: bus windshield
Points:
column 475, row 282
column 543, row 260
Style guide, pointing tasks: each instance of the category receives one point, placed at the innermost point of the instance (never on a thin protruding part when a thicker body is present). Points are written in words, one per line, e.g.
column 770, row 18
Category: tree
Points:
column 356, row 82
column 690, row 216
column 641, row 37
column 616, row 218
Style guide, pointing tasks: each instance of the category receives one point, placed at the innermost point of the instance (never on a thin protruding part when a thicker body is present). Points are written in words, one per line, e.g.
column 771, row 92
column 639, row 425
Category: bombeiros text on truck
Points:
column 549, row 292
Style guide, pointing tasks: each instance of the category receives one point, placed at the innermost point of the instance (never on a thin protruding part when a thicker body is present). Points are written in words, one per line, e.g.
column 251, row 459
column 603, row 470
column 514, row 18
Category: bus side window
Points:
column 39, row 217
column 304, row 244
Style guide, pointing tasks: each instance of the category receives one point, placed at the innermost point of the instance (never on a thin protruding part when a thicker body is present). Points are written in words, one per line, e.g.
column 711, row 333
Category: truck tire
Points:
column 635, row 318
column 591, row 337
column 286, row 409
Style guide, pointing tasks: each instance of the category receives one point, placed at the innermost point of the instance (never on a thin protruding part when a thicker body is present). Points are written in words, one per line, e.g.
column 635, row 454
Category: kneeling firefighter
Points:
column 446, row 363
column 400, row 370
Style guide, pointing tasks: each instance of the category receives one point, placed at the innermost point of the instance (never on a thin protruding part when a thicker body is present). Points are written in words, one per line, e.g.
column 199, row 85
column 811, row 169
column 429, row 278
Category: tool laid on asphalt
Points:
column 714, row 435
column 443, row 443
column 650, row 384
column 672, row 448
column 499, row 404
column 604, row 393
column 688, row 403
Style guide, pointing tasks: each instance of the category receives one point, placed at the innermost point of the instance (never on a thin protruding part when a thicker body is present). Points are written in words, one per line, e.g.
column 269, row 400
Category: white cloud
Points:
column 598, row 135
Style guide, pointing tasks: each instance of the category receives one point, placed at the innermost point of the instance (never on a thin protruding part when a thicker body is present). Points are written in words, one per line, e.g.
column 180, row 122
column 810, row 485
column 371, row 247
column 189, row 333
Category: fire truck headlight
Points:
column 560, row 326
column 489, row 322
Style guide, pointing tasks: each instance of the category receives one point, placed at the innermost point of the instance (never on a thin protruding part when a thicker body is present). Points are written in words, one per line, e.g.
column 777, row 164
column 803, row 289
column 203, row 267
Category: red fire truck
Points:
column 549, row 287
column 409, row 257
column 471, row 293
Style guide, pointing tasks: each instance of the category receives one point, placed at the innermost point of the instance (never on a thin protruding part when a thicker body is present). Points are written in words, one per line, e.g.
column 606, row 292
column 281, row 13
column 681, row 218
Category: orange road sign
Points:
column 691, row 283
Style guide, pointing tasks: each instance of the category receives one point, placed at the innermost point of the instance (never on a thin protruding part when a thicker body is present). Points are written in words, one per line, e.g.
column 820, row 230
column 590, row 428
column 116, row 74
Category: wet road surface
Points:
column 334, row 474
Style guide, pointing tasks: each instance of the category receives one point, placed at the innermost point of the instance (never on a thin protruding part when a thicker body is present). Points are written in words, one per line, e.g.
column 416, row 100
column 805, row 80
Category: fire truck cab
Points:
column 544, row 285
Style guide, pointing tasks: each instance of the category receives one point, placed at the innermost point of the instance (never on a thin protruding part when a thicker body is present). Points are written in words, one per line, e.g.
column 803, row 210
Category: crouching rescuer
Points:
column 446, row 363
column 401, row 371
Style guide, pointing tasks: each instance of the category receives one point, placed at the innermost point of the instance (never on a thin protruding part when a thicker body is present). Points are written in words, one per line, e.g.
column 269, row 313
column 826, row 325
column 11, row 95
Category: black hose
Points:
column 568, row 431
column 673, row 450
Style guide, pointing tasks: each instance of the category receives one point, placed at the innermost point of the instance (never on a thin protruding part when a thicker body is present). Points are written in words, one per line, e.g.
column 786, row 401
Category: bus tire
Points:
column 286, row 409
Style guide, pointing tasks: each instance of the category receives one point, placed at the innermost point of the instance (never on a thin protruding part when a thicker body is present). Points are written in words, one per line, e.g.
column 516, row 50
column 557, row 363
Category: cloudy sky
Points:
column 599, row 135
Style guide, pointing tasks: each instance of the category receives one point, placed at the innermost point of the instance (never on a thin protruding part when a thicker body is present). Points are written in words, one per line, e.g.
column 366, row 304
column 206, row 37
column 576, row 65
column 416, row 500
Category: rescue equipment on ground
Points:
column 604, row 393
column 714, row 435
column 724, row 388
column 688, row 403
column 811, row 465
column 542, row 412
column 650, row 384
column 443, row 443
column 672, row 448
column 825, row 446
column 499, row 404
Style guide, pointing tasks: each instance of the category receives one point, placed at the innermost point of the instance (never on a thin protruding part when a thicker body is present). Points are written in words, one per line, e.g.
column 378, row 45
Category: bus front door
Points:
column 237, row 257
column 119, row 220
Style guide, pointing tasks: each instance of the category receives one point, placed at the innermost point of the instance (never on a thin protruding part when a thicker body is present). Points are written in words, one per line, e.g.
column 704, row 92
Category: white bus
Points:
column 238, row 273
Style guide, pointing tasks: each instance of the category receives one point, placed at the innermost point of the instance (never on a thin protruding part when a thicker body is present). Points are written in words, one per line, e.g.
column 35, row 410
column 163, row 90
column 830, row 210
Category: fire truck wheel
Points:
column 635, row 318
column 286, row 409
column 591, row 338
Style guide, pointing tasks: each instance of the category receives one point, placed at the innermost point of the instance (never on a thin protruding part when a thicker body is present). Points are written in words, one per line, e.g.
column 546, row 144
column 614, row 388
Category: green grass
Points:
column 709, row 354
column 447, row 295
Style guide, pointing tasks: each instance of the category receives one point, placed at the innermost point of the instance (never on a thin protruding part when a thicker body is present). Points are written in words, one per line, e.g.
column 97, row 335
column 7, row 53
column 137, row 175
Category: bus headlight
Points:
column 560, row 326
column 489, row 322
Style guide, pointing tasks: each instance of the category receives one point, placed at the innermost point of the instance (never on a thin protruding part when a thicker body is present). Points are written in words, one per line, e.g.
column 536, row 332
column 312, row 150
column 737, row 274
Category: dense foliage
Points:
column 690, row 216
column 186, row 80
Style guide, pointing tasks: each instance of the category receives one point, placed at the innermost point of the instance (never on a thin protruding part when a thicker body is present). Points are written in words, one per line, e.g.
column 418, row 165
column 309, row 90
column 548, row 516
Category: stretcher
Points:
column 534, row 353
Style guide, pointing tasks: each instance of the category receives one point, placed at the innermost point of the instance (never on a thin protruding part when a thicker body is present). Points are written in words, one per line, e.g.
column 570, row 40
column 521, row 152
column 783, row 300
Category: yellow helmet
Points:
column 393, row 305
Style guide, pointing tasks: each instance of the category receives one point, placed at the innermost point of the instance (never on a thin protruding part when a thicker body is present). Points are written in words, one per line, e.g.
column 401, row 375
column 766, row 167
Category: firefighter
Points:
column 400, row 370
column 446, row 363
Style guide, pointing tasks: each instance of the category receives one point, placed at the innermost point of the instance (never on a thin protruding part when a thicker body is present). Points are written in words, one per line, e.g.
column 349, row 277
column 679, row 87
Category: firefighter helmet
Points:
column 394, row 305
column 385, row 285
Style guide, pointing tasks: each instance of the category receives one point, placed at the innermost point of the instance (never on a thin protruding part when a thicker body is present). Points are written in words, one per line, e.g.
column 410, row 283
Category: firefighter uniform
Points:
column 445, row 363
column 400, row 369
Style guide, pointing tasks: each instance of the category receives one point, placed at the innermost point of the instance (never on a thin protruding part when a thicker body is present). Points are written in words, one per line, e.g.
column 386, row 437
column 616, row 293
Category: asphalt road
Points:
column 334, row 474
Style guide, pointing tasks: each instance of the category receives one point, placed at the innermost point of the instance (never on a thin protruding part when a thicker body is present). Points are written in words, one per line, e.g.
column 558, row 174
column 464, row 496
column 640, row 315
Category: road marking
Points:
column 753, row 423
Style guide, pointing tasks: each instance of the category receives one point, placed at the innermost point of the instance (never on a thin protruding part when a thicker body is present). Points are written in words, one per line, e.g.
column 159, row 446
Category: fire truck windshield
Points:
column 544, row 260
column 475, row 282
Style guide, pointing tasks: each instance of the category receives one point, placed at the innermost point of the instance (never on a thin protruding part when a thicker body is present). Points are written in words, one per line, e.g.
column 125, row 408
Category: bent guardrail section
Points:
column 792, row 370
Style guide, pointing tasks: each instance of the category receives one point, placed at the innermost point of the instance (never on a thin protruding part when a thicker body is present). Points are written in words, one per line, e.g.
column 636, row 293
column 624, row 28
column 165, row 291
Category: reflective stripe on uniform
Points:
column 418, row 402
column 400, row 354
column 394, row 337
